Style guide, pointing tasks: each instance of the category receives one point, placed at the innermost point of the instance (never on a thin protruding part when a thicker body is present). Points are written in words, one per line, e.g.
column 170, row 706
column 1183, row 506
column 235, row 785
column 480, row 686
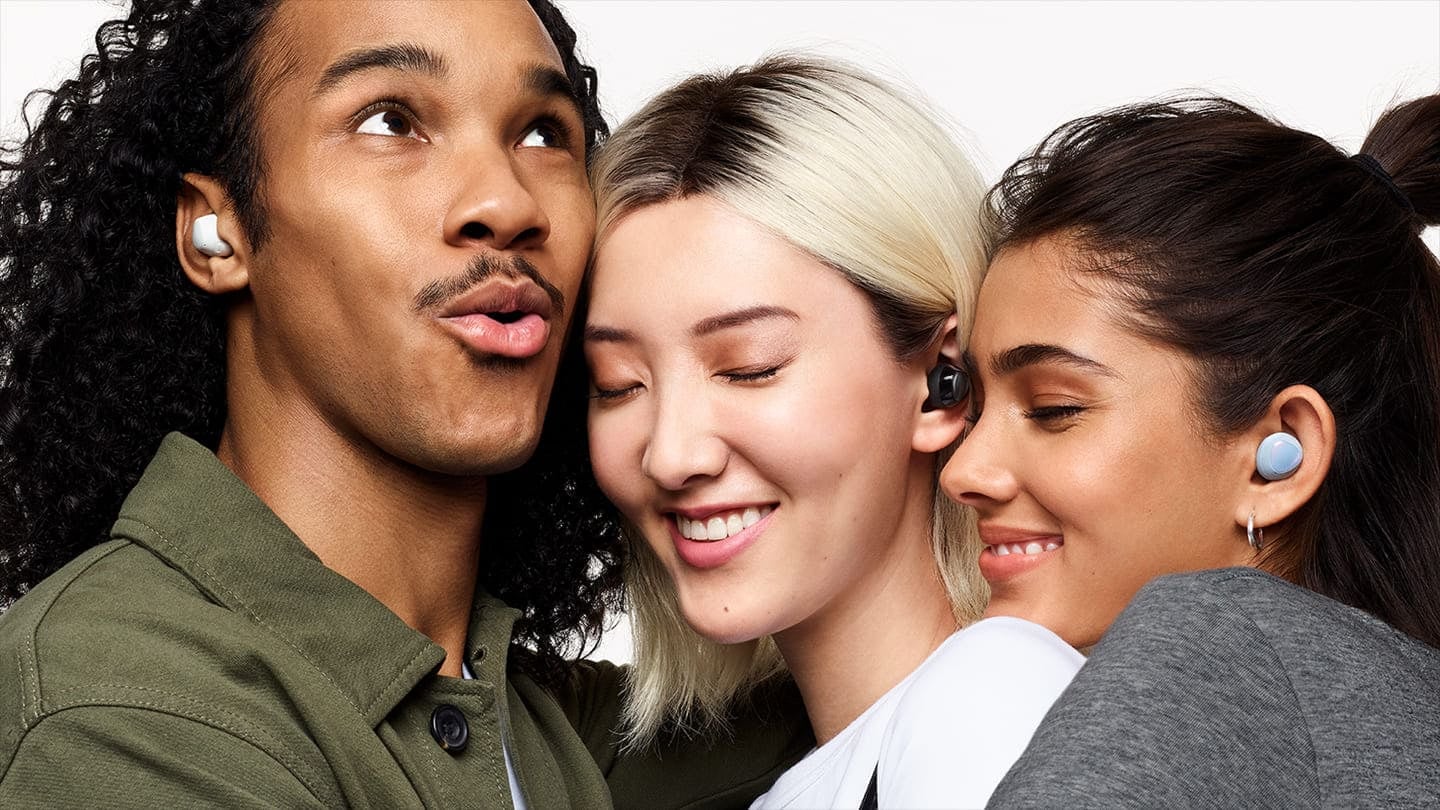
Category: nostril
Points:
column 474, row 230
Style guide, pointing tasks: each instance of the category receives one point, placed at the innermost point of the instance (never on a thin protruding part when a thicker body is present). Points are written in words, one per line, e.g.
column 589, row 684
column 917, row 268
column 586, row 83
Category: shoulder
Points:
column 1245, row 614
column 117, row 642
column 116, row 614
column 1184, row 675
column 970, row 710
column 112, row 755
column 999, row 650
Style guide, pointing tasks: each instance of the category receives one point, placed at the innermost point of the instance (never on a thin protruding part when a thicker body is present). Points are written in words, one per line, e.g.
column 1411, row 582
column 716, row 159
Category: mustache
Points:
column 480, row 269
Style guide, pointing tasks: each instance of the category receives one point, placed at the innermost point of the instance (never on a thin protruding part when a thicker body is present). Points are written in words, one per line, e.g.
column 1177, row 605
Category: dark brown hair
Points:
column 1273, row 259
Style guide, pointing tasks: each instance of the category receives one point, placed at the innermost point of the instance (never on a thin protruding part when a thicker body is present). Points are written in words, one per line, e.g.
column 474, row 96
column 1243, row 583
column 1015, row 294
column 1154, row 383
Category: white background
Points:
column 1005, row 74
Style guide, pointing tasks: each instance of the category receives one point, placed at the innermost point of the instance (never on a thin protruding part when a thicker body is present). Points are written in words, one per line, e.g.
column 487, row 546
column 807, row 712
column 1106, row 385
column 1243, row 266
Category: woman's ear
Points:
column 208, row 239
column 1303, row 414
column 936, row 428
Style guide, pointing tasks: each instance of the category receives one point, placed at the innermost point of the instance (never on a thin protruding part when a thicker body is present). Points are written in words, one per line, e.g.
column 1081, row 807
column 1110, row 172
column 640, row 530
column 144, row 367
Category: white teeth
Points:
column 716, row 528
column 1025, row 549
column 719, row 527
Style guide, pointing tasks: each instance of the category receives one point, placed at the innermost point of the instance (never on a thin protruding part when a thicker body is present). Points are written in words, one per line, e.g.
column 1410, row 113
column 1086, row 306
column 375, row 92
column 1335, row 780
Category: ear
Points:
column 937, row 429
column 200, row 195
column 1300, row 411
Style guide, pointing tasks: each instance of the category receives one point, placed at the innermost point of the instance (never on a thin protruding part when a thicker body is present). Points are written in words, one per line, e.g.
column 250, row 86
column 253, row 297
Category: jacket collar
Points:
column 190, row 510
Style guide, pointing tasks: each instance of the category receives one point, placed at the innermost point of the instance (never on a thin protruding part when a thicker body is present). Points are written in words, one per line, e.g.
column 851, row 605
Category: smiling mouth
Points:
column 721, row 525
column 1032, row 548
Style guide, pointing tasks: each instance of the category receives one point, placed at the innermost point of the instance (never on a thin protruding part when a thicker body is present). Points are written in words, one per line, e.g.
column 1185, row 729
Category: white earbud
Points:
column 205, row 236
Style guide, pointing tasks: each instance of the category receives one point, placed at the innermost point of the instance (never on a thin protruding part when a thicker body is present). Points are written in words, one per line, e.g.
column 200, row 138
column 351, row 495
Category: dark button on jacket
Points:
column 448, row 727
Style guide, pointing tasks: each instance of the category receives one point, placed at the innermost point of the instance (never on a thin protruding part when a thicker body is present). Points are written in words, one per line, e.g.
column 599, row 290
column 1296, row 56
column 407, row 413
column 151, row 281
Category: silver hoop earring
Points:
column 1254, row 535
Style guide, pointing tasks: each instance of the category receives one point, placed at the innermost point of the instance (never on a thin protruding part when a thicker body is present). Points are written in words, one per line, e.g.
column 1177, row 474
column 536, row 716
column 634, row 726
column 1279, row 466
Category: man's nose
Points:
column 683, row 448
column 493, row 206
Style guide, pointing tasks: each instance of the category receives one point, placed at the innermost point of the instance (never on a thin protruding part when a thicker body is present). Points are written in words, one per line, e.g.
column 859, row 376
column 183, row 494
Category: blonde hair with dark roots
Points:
column 857, row 173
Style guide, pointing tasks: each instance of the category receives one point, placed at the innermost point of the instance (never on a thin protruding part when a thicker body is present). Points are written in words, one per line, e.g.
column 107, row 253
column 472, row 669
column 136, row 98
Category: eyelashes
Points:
column 613, row 393
column 561, row 131
column 1054, row 413
column 756, row 375
column 741, row 376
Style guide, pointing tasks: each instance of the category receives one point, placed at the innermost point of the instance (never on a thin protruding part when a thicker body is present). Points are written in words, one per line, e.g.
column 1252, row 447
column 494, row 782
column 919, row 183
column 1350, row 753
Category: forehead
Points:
column 1036, row 293
column 486, row 43
column 673, row 263
column 698, row 242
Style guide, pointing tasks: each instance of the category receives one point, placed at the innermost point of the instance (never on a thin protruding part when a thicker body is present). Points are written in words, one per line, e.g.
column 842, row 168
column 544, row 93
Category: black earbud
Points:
column 949, row 386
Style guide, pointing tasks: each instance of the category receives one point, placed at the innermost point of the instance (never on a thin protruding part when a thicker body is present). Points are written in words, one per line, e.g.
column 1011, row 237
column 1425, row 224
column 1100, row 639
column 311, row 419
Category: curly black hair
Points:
column 105, row 346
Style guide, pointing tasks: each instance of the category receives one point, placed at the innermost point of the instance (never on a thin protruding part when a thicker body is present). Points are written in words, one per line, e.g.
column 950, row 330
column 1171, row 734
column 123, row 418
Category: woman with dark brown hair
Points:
column 1209, row 341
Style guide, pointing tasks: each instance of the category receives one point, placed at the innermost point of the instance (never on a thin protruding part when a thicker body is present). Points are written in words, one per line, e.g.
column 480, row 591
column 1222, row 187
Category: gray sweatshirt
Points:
column 1233, row 688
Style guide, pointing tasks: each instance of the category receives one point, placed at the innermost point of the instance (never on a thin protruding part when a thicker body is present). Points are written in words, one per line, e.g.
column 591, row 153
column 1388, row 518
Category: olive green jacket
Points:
column 205, row 657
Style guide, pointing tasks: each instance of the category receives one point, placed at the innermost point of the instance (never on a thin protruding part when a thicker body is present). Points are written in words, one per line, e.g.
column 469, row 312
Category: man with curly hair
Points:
column 348, row 564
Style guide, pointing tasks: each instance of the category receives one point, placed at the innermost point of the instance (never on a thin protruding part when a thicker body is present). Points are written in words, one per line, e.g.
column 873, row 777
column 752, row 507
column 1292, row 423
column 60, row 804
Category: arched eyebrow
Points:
column 740, row 317
column 405, row 56
column 1031, row 354
column 599, row 333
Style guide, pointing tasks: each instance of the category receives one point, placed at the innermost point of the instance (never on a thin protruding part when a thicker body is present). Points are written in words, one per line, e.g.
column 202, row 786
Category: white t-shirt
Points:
column 946, row 735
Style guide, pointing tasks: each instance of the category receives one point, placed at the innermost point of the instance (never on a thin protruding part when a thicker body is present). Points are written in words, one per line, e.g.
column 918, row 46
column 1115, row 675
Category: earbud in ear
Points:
column 1278, row 456
column 948, row 387
column 205, row 236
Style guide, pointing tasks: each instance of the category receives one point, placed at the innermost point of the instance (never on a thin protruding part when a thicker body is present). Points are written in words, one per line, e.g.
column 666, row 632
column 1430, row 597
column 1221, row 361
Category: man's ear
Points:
column 1300, row 411
column 938, row 428
column 199, row 196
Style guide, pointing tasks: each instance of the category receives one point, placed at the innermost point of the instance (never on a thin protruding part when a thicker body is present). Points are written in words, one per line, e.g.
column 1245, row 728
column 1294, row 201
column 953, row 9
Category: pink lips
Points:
column 502, row 317
column 715, row 553
column 998, row 568
column 525, row 337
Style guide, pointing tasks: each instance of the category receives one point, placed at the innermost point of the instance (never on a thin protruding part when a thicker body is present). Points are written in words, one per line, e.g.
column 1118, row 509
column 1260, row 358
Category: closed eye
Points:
column 748, row 375
column 596, row 392
column 1054, row 413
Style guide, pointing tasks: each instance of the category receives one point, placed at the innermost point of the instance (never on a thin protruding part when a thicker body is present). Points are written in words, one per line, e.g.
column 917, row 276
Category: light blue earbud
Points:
column 1278, row 456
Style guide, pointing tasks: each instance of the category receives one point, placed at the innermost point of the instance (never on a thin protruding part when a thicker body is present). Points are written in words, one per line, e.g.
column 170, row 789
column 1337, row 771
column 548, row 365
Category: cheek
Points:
column 823, row 426
column 570, row 209
column 616, row 444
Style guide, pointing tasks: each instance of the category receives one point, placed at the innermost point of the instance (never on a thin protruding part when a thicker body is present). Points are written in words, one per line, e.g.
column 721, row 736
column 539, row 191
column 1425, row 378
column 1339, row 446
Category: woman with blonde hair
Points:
column 786, row 257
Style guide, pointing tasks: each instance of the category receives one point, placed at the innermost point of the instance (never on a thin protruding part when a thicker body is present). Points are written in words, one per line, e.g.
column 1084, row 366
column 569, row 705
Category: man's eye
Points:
column 547, row 134
column 388, row 122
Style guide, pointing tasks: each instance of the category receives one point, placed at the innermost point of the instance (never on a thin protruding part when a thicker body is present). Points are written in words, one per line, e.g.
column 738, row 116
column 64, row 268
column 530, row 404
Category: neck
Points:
column 409, row 537
column 848, row 655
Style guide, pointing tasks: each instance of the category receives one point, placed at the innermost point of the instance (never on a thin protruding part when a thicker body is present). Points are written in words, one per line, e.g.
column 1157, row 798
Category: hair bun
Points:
column 1405, row 145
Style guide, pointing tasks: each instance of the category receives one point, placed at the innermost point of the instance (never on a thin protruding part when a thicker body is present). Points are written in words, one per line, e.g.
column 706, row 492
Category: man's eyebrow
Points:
column 1030, row 354
column 400, row 56
column 547, row 82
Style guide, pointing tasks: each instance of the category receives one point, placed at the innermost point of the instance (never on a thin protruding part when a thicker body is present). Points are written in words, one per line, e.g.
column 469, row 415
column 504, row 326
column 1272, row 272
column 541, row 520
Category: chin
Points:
column 490, row 451
column 723, row 628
